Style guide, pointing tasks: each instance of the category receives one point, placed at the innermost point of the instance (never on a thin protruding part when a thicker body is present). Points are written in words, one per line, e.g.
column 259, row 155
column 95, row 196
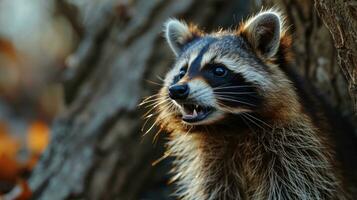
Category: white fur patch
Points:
column 201, row 92
column 193, row 56
column 248, row 72
column 207, row 57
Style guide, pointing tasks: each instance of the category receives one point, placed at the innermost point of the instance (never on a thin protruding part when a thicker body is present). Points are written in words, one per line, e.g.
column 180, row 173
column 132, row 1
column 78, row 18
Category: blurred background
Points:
column 72, row 73
column 34, row 42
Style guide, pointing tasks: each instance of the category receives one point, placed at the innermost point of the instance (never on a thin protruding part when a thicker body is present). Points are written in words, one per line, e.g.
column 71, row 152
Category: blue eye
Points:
column 182, row 72
column 220, row 71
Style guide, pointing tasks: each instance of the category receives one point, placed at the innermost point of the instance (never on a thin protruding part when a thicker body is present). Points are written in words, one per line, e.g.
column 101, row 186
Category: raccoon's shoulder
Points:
column 330, row 122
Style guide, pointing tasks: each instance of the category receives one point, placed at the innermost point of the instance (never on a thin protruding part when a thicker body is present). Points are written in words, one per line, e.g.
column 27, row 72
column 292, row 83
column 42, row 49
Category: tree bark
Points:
column 340, row 17
column 97, row 150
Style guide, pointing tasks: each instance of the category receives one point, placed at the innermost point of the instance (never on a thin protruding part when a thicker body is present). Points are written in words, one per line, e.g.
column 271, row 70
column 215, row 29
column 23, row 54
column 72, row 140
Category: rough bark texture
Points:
column 340, row 17
column 97, row 150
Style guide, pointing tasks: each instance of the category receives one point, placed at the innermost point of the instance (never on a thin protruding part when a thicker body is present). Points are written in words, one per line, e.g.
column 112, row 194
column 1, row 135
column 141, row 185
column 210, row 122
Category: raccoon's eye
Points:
column 182, row 72
column 220, row 71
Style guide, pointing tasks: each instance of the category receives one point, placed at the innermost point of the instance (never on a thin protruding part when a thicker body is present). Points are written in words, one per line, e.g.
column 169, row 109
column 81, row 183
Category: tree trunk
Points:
column 97, row 150
column 340, row 17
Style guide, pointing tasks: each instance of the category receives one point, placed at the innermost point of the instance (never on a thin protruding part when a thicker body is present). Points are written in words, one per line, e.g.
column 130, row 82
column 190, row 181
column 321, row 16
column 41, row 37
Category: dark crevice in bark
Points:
column 73, row 78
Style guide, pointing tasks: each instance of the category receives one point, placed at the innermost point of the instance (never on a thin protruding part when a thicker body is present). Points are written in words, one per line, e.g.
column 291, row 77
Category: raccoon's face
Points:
column 225, row 73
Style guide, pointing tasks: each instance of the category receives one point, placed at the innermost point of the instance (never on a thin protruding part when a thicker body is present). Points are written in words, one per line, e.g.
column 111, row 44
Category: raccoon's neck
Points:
column 286, row 162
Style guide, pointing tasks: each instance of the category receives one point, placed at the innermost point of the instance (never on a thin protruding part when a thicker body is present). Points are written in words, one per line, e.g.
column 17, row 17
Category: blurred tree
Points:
column 97, row 150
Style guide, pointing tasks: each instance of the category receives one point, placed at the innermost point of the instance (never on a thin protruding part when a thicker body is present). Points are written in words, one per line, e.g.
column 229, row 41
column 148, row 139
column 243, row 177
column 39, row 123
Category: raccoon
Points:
column 238, row 127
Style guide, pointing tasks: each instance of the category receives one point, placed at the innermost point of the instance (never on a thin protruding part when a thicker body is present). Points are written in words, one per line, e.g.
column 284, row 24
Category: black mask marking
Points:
column 195, row 66
column 232, row 90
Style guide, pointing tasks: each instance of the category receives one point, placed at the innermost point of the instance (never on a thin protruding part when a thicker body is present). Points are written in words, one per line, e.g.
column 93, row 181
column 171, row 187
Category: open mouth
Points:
column 195, row 113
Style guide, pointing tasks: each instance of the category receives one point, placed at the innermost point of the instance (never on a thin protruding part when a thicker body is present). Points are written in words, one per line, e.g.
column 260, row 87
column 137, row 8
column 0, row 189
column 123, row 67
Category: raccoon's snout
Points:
column 179, row 91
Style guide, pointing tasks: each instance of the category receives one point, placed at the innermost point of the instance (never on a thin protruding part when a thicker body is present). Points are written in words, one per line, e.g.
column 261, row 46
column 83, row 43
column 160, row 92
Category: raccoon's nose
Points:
column 179, row 91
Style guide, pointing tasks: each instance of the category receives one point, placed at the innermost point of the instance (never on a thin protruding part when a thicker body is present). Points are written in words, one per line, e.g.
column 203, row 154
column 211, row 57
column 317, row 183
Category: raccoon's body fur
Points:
column 238, row 129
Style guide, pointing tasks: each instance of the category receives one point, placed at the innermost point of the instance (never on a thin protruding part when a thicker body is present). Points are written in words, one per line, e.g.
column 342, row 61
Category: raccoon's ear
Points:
column 178, row 33
column 263, row 32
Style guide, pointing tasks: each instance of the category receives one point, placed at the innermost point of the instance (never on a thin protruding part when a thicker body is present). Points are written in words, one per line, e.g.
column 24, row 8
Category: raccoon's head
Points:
column 226, row 73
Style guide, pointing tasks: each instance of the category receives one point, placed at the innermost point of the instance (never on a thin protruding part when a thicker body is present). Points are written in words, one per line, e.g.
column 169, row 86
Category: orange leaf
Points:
column 7, row 48
column 37, row 137
column 8, row 145
column 9, row 169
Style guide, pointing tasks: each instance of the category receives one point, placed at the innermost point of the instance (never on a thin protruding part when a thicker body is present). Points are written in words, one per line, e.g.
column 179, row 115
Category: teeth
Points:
column 194, row 113
column 198, row 108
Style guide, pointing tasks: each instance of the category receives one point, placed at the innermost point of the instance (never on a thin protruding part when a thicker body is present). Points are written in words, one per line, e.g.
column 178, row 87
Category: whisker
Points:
column 247, row 116
column 148, row 114
column 155, row 138
column 188, row 131
column 261, row 121
column 232, row 86
column 154, row 83
column 156, row 103
column 150, row 97
column 243, row 118
column 235, row 92
column 224, row 107
column 153, row 100
column 224, row 98
column 201, row 91
column 160, row 78
column 243, row 114
column 144, row 125
column 151, row 127
column 149, row 111
column 166, row 154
